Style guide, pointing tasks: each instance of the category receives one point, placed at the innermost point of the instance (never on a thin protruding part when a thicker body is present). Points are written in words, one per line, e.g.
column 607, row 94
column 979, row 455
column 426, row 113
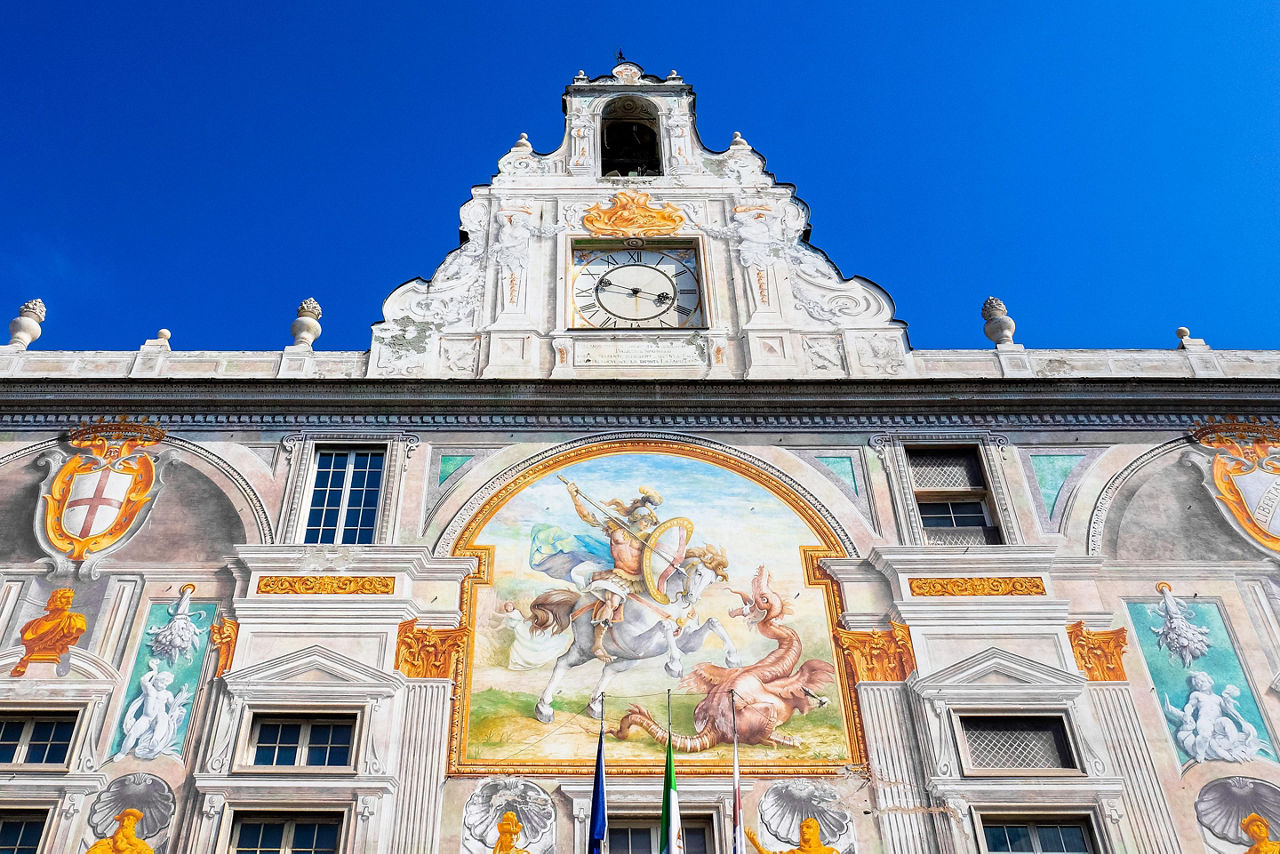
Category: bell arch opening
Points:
column 630, row 142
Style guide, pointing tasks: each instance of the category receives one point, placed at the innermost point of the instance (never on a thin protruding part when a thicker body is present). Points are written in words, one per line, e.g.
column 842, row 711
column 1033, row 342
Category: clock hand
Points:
column 634, row 292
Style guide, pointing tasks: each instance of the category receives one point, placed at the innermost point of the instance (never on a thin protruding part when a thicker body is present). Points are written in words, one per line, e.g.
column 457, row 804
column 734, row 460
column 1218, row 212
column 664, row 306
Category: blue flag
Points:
column 599, row 808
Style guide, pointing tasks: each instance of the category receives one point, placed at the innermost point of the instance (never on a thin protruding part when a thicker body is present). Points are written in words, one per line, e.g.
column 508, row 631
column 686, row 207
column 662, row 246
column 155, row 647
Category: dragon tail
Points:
column 637, row 716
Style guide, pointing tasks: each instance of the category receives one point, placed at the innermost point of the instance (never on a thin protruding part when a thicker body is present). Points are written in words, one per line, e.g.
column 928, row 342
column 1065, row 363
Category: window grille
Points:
column 1017, row 742
column 946, row 469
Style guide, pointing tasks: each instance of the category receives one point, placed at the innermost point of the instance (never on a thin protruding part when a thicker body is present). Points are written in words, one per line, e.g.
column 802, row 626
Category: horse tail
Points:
column 638, row 716
column 553, row 610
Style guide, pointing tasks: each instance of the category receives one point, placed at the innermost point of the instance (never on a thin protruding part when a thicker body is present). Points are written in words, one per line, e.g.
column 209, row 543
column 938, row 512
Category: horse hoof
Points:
column 732, row 661
column 674, row 669
column 544, row 713
column 595, row 710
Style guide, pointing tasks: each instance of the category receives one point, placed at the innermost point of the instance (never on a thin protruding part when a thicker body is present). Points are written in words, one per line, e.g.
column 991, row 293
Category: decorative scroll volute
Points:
column 878, row 656
column 631, row 216
column 981, row 586
column 1099, row 654
column 314, row 585
column 223, row 634
column 428, row 653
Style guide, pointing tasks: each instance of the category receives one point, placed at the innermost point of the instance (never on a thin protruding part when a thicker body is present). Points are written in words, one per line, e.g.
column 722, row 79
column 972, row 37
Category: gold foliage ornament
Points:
column 1246, row 473
column 96, row 496
column 982, row 586
column 1100, row 654
column 878, row 656
column 223, row 635
column 428, row 653
column 320, row 585
column 630, row 215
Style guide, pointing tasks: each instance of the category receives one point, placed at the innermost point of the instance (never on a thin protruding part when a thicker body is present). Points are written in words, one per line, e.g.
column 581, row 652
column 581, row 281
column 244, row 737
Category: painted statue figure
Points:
column 1210, row 725
column 810, row 841
column 1258, row 829
column 153, row 719
column 607, row 574
column 508, row 830
column 50, row 637
column 1178, row 634
column 762, row 696
column 124, row 840
column 181, row 635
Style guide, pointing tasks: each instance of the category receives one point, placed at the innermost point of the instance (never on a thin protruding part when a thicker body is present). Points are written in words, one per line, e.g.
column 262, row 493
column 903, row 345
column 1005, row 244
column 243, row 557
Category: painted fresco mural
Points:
column 621, row 577
column 1208, row 703
column 165, row 677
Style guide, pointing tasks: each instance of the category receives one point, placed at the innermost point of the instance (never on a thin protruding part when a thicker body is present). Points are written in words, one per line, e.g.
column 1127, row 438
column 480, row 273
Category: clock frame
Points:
column 646, row 285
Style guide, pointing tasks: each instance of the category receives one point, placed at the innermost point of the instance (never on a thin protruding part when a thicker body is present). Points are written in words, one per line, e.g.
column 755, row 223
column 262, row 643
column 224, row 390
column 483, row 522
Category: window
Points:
column 951, row 492
column 1001, row 835
column 1016, row 743
column 344, row 500
column 636, row 837
column 629, row 145
column 36, row 739
column 20, row 832
column 255, row 833
column 310, row 742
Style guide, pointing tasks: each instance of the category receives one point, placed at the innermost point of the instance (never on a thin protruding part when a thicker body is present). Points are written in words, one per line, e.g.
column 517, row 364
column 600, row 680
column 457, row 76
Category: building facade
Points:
column 638, row 459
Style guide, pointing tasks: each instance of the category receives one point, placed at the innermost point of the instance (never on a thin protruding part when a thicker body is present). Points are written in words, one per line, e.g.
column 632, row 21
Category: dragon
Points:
column 766, row 694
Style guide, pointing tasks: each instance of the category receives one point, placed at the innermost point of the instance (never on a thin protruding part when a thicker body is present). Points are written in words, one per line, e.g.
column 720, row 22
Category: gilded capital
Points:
column 878, row 656
column 1099, row 654
column 428, row 653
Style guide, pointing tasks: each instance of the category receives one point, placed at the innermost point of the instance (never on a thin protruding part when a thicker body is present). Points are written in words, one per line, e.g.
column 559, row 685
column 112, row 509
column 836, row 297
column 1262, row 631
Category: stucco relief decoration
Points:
column 789, row 804
column 1178, row 634
column 521, row 160
column 98, row 498
column 630, row 215
column 1209, row 705
column 591, row 571
column 48, row 639
column 978, row 586
column 1224, row 805
column 327, row 585
column 179, row 636
column 878, row 656
column 1245, row 475
column 493, row 801
column 147, row 794
column 1100, row 654
column 428, row 653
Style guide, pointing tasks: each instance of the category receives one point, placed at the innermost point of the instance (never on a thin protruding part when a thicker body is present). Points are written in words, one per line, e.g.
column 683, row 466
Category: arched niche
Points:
column 630, row 138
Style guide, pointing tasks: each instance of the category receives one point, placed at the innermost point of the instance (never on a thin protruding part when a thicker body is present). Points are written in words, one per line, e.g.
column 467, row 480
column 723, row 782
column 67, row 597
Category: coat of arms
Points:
column 98, row 497
column 1245, row 475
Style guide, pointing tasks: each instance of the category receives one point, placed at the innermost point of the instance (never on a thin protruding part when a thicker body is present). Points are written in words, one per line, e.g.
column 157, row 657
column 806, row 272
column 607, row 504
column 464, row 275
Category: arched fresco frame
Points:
column 1102, row 506
column 458, row 540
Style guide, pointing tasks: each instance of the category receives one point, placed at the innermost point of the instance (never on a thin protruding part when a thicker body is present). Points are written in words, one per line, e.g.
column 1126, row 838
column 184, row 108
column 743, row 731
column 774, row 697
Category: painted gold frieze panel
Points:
column 981, row 586
column 312, row 585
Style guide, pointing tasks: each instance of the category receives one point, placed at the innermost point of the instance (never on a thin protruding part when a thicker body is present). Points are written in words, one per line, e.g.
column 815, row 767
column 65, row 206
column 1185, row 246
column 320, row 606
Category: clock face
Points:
column 637, row 289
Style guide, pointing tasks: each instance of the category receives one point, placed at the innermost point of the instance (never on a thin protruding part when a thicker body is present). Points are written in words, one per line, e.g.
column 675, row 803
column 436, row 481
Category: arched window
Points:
column 629, row 141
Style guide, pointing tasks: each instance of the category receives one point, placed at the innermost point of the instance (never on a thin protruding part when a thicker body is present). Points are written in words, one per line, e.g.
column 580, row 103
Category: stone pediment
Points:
column 314, row 668
column 998, row 676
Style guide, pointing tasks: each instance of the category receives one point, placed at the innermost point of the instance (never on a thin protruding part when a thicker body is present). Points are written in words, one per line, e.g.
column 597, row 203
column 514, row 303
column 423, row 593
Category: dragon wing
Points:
column 706, row 677
column 813, row 675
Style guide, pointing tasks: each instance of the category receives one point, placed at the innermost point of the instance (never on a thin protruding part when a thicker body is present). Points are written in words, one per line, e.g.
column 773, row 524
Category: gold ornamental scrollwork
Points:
column 631, row 216
column 1246, row 450
column 878, row 656
column 979, row 586
column 314, row 585
column 428, row 653
column 222, row 635
column 1099, row 654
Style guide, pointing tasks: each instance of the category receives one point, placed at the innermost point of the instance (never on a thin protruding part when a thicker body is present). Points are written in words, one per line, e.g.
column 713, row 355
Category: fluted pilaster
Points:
column 900, row 801
column 422, row 766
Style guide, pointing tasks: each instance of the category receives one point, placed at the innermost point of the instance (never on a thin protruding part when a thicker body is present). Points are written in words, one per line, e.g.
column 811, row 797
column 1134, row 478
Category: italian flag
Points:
column 672, row 836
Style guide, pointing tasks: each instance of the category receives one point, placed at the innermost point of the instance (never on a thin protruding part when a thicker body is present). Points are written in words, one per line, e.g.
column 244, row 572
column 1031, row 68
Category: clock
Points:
column 650, row 287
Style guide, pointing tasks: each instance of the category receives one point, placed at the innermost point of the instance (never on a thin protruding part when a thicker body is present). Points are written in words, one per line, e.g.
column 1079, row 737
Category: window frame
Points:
column 30, row 717
column 351, row 450
column 1085, row 820
column 980, row 495
column 30, row 813
column 290, row 818
column 653, row 825
column 969, row 769
column 247, row 749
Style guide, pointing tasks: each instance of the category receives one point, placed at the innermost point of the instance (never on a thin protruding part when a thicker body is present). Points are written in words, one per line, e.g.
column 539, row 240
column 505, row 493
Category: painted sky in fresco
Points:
column 1109, row 169
column 750, row 523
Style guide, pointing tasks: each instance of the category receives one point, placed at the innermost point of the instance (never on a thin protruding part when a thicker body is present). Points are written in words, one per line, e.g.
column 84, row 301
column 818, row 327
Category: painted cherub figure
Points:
column 1258, row 829
column 509, row 828
column 124, row 840
column 48, row 638
column 810, row 841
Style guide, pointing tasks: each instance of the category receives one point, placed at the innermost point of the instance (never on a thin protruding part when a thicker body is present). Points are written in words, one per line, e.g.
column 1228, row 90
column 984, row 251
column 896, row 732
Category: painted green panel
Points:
column 1052, row 471
column 843, row 469
column 450, row 463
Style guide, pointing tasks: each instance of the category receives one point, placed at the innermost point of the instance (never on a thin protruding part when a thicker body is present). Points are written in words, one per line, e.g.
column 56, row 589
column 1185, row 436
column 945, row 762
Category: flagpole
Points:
column 738, row 846
column 599, row 828
column 672, row 841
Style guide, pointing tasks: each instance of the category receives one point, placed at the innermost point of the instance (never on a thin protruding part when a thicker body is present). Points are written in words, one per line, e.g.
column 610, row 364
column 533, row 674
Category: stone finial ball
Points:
column 1182, row 332
column 164, row 334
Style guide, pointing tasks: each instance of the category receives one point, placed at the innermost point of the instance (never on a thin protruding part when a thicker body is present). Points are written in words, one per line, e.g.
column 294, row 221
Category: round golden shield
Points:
column 663, row 552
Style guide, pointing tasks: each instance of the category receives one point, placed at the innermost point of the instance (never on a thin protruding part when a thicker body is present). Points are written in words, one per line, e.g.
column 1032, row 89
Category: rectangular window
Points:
column 1014, row 743
column 951, row 493
column 20, row 832
column 255, row 833
column 36, row 739
column 344, row 497
column 1040, row 837
column 644, row 837
column 310, row 742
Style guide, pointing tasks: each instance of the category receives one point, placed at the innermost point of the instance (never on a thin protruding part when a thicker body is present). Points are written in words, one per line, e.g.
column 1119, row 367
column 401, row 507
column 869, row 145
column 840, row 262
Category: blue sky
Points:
column 1110, row 169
